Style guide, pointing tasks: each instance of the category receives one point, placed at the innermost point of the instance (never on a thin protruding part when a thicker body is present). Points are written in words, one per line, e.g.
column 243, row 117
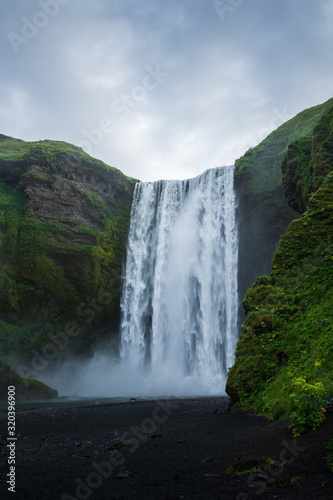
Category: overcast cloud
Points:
column 161, row 89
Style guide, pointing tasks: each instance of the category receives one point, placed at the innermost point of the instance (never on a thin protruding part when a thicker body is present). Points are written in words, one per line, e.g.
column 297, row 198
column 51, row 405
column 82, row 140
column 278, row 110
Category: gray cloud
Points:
column 161, row 89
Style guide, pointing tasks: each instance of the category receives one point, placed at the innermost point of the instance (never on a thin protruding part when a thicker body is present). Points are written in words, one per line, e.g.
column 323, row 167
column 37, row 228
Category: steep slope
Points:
column 24, row 388
column 286, row 341
column 64, row 219
column 264, row 214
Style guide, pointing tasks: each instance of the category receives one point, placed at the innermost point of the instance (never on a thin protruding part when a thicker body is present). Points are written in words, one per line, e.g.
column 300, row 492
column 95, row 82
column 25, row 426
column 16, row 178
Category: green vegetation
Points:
column 284, row 357
column 16, row 151
column 263, row 212
column 329, row 456
column 25, row 388
column 243, row 466
column 261, row 166
column 53, row 258
column 308, row 401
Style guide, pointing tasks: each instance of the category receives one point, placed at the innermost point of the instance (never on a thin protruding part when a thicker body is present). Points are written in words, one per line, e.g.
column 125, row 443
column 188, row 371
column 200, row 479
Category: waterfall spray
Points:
column 179, row 303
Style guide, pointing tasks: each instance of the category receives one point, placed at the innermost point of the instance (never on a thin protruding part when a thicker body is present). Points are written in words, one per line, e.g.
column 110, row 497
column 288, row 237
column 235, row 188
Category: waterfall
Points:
column 179, row 303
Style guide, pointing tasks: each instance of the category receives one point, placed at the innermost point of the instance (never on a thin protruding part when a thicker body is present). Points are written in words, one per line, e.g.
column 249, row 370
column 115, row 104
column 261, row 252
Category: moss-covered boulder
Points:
column 24, row 388
column 287, row 334
column 64, row 218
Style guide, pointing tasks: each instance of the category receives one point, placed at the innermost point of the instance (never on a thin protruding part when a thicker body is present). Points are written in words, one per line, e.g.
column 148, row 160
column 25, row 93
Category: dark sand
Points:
column 171, row 450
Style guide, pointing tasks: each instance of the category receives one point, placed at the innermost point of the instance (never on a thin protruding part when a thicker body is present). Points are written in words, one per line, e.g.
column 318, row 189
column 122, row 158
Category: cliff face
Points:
column 64, row 218
column 24, row 388
column 307, row 163
column 287, row 334
column 263, row 212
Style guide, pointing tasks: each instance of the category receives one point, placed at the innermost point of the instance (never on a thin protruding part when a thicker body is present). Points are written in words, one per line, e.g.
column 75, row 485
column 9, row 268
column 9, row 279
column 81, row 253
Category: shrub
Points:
column 308, row 410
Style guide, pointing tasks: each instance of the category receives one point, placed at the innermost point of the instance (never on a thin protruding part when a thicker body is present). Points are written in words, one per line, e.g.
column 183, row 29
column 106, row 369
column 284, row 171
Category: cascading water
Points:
column 179, row 303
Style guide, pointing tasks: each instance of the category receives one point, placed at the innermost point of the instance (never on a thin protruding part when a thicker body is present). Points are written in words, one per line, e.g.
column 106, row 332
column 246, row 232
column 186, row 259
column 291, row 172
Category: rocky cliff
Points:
column 286, row 340
column 25, row 388
column 64, row 218
column 263, row 211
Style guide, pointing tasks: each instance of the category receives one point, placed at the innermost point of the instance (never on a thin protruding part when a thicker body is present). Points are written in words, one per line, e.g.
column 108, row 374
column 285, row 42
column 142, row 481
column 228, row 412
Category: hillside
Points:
column 64, row 218
column 263, row 212
column 284, row 356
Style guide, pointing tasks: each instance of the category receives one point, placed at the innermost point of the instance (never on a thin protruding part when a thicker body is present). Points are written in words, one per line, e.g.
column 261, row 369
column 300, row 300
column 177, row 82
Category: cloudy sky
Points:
column 161, row 89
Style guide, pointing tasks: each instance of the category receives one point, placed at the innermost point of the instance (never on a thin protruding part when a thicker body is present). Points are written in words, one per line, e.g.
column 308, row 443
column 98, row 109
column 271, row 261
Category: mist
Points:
column 179, row 302
column 105, row 377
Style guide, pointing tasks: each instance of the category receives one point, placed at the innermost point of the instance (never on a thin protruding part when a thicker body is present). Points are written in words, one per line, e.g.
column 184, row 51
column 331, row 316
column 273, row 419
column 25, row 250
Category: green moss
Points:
column 15, row 338
column 263, row 212
column 307, row 163
column 261, row 165
column 287, row 334
column 247, row 466
column 133, row 180
column 48, row 265
column 97, row 202
column 86, row 230
column 40, row 177
column 297, row 173
column 25, row 388
column 108, row 253
column 16, row 151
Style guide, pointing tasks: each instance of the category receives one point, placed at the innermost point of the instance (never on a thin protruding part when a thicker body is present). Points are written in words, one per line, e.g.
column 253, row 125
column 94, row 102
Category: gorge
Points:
column 65, row 219
column 179, row 304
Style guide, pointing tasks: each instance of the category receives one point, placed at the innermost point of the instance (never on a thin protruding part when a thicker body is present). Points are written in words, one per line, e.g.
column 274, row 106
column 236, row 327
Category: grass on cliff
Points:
column 288, row 330
column 15, row 151
column 48, row 267
column 41, row 279
column 284, row 357
column 262, row 164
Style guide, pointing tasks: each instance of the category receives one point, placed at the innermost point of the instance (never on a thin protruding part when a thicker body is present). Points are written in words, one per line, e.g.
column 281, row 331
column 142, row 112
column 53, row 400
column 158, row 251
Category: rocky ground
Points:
column 168, row 449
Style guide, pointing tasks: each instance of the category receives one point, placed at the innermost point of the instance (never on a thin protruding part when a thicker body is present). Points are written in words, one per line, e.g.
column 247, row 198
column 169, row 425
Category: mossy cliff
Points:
column 64, row 219
column 25, row 388
column 286, row 343
column 263, row 212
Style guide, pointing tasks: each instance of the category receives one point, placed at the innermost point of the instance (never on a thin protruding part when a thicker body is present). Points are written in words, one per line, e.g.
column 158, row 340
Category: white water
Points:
column 179, row 303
